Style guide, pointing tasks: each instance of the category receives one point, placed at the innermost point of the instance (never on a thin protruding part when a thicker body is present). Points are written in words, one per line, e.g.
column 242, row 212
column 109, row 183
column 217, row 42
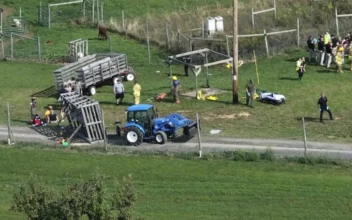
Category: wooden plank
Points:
column 85, row 122
column 66, row 3
column 263, row 11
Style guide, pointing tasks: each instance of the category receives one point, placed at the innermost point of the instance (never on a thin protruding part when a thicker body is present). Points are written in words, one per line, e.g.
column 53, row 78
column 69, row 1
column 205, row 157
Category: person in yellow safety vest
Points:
column 298, row 64
column 339, row 60
column 137, row 92
column 176, row 85
column 350, row 56
column 327, row 38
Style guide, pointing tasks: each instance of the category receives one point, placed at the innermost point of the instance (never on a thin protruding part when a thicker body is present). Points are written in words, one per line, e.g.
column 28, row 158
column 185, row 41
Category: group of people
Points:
column 119, row 91
column 330, row 49
column 49, row 115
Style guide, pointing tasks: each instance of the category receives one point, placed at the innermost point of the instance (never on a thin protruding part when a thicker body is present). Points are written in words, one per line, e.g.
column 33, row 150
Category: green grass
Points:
column 265, row 121
column 191, row 189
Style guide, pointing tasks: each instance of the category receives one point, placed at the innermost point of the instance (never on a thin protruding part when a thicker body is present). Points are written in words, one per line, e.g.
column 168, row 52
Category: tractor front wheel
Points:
column 160, row 137
column 134, row 136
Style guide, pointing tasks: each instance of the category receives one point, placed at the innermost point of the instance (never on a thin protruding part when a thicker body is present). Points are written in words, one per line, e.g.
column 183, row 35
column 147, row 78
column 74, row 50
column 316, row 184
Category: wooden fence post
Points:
column 84, row 8
column 304, row 136
column 298, row 38
column 148, row 43
column 275, row 8
column 104, row 131
column 266, row 43
column 102, row 12
column 98, row 20
column 39, row 49
column 11, row 35
column 203, row 34
column 123, row 20
column 167, row 37
column 9, row 141
column 199, row 138
column 110, row 46
column 49, row 16
column 93, row 10
column 227, row 46
column 252, row 18
column 337, row 22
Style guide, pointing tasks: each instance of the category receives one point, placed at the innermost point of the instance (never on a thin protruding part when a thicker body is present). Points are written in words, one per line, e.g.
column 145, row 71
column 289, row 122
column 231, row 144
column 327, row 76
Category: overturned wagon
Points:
column 109, row 68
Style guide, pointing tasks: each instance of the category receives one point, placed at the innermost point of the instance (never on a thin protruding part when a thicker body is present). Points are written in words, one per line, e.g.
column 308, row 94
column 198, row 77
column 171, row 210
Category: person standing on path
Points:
column 176, row 86
column 250, row 90
column 323, row 106
column 33, row 107
column 137, row 92
column 119, row 91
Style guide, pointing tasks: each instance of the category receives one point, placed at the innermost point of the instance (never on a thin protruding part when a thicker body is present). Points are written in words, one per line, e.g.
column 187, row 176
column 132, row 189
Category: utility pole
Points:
column 235, row 54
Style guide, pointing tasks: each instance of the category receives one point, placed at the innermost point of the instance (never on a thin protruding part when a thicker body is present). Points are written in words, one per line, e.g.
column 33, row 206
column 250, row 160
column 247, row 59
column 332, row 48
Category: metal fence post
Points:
column 39, row 49
column 304, row 137
column 20, row 13
column 11, row 46
column 93, row 9
column 266, row 43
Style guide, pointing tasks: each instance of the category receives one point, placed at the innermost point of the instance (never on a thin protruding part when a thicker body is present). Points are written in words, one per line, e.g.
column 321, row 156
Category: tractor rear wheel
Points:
column 133, row 136
column 160, row 137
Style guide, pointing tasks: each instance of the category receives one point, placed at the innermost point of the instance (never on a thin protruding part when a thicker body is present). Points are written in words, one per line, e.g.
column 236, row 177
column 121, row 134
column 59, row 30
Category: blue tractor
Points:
column 143, row 124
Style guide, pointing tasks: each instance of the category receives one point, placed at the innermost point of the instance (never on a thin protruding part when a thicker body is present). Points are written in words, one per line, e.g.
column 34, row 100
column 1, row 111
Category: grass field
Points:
column 191, row 189
column 264, row 121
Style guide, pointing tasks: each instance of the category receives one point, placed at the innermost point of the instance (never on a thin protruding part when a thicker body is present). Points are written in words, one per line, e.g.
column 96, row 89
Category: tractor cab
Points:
column 143, row 116
column 143, row 123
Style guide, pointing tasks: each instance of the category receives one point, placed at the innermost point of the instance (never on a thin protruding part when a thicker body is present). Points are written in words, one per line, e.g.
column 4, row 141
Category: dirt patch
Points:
column 7, row 11
column 229, row 116
column 205, row 91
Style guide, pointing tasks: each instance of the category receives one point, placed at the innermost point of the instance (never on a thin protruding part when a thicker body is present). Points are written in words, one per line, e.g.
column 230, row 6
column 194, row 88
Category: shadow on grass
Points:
column 127, row 104
column 48, row 131
column 289, row 78
column 309, row 119
column 47, row 93
column 325, row 71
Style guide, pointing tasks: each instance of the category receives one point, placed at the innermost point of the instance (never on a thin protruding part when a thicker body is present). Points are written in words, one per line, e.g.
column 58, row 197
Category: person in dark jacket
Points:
column 187, row 60
column 328, row 51
column 323, row 106
column 311, row 48
column 321, row 51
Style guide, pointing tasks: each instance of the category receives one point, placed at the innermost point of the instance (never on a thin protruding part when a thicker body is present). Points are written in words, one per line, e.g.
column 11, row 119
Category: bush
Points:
column 85, row 198
column 268, row 155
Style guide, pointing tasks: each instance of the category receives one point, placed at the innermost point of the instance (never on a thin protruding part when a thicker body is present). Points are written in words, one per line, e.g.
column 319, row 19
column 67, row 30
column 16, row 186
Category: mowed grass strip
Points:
column 192, row 189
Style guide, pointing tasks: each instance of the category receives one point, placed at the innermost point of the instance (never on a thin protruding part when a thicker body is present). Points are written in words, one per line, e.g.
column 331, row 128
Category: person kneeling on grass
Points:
column 50, row 115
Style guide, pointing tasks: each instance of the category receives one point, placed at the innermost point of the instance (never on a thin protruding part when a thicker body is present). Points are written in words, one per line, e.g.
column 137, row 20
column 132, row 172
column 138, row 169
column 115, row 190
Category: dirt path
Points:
column 209, row 144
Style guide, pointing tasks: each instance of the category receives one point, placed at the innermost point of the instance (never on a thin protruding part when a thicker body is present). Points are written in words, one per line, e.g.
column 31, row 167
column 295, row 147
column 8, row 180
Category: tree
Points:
column 85, row 198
